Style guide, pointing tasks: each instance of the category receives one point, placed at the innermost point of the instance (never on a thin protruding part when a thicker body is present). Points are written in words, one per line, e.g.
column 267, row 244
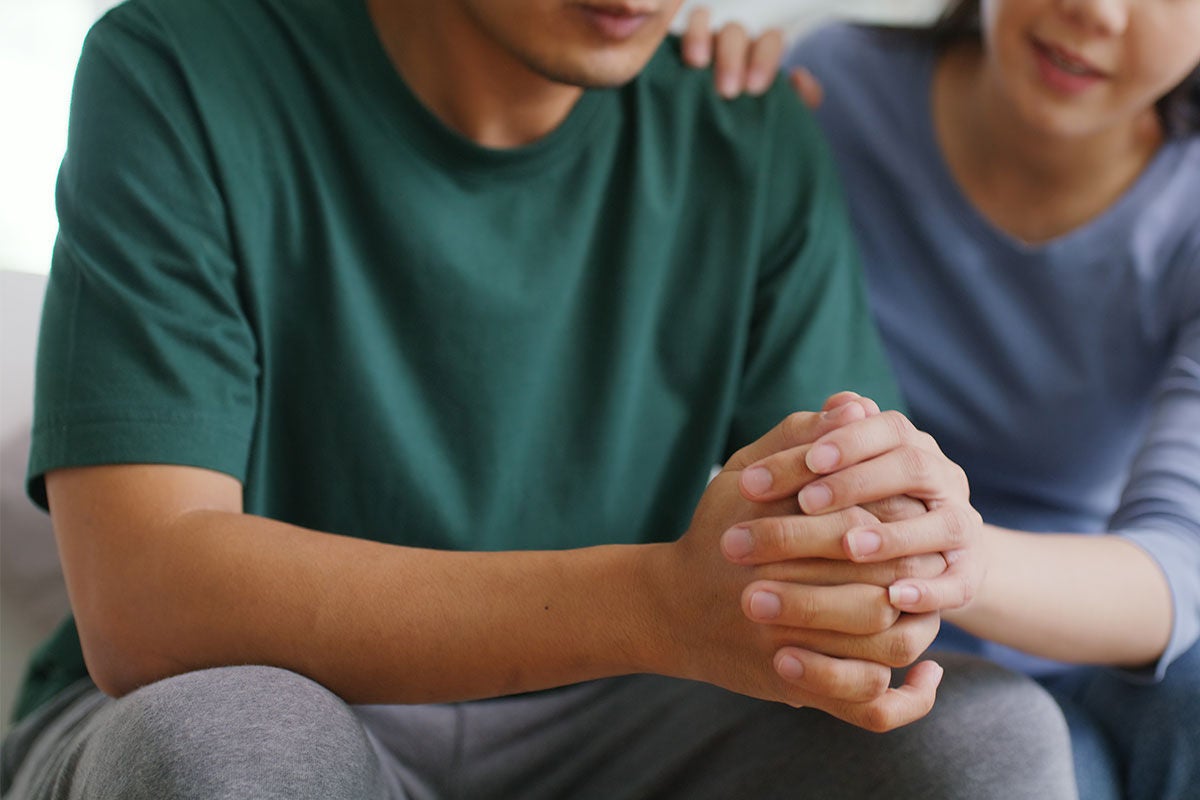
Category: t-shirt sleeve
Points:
column 1160, row 507
column 146, row 354
column 813, row 334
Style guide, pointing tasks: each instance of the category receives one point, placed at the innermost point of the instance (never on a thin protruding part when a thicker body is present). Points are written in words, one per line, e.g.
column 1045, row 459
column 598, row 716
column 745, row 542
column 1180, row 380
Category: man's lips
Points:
column 616, row 21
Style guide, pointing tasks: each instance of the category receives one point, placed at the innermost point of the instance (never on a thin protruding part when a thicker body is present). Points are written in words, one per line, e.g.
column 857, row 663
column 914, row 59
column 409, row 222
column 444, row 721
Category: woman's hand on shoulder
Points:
column 743, row 64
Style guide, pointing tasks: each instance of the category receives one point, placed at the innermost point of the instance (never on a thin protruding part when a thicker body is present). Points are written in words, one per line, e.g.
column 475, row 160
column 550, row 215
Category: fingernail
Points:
column 823, row 457
column 836, row 413
column 765, row 605
column 791, row 668
column 729, row 86
column 757, row 81
column 815, row 497
column 864, row 543
column 903, row 595
column 737, row 543
column 846, row 410
column 757, row 480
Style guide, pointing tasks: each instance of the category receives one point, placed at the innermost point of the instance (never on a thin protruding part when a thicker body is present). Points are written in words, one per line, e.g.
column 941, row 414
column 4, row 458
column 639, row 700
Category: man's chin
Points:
column 599, row 74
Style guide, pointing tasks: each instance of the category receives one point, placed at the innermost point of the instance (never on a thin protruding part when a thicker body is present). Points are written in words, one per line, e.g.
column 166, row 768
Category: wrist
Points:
column 648, row 593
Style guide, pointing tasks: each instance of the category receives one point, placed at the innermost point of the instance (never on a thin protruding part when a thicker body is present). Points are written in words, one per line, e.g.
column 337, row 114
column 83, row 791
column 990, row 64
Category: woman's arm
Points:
column 1070, row 597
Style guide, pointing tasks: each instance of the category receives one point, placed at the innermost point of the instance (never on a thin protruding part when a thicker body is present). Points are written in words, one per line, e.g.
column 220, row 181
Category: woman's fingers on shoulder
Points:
column 805, row 84
column 766, row 53
column 698, row 38
column 742, row 64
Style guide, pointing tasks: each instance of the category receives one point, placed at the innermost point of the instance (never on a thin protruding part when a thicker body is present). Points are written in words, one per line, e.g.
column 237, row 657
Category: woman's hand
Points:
column 867, row 460
column 741, row 64
column 816, row 632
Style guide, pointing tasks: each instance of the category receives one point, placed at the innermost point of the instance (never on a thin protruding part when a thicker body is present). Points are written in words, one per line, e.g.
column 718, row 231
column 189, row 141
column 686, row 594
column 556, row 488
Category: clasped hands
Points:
column 841, row 536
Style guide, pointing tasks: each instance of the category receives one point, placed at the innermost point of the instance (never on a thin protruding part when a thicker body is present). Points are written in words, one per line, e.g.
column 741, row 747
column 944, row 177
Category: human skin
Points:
column 1040, row 153
column 506, row 72
column 167, row 573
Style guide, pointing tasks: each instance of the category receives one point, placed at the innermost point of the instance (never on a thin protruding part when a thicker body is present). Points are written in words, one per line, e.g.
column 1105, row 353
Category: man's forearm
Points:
column 374, row 623
column 168, row 575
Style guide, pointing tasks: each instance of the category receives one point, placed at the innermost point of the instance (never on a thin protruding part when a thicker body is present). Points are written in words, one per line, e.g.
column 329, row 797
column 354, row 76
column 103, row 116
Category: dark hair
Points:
column 1179, row 110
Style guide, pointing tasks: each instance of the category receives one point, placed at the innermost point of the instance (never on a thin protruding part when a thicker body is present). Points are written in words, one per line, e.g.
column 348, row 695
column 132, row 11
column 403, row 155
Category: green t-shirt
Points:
column 274, row 262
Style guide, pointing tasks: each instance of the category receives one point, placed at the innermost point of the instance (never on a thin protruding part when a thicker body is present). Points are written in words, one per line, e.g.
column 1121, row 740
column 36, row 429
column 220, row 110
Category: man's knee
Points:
column 993, row 733
column 229, row 732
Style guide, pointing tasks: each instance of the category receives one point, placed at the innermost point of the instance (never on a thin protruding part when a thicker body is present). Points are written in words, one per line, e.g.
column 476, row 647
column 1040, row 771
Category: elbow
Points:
column 116, row 661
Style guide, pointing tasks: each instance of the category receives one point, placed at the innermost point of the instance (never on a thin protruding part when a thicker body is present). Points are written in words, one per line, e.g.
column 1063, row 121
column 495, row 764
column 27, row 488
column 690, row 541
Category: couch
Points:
column 32, row 595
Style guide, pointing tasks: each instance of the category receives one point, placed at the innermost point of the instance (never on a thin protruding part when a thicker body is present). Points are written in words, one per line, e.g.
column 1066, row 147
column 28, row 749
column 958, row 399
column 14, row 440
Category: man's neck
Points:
column 467, row 79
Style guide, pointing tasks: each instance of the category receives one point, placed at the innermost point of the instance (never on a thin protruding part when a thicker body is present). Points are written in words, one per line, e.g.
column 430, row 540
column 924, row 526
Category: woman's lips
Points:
column 1065, row 71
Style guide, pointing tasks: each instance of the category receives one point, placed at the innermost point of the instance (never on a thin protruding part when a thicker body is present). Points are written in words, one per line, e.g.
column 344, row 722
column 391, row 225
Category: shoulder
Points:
column 222, row 37
column 846, row 48
column 1173, row 216
column 877, row 83
column 768, row 149
column 669, row 90
column 1184, row 197
column 765, row 154
column 874, row 78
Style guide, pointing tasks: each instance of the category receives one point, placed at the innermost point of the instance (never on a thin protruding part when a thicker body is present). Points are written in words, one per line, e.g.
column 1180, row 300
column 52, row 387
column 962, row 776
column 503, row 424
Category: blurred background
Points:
column 39, row 45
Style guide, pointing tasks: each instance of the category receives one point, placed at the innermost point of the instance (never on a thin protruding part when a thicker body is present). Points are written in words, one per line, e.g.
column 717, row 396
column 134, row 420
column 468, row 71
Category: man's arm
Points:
column 167, row 575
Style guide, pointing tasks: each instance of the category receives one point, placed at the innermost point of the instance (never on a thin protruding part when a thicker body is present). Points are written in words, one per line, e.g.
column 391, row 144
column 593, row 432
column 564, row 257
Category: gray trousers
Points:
column 260, row 732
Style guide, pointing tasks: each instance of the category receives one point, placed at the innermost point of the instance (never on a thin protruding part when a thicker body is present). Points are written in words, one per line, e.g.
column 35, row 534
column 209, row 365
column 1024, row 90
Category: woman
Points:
column 1024, row 178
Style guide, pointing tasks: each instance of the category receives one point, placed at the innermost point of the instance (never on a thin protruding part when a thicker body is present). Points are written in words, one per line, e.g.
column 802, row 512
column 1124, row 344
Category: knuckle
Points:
column 770, row 535
column 857, row 516
column 899, row 425
column 909, row 567
column 882, row 617
column 879, row 680
column 804, row 608
column 928, row 627
column 849, row 484
column 956, row 526
column 888, row 507
column 916, row 464
column 878, row 718
column 959, row 479
column 976, row 520
column 905, row 647
column 795, row 427
column 898, row 539
column 901, row 507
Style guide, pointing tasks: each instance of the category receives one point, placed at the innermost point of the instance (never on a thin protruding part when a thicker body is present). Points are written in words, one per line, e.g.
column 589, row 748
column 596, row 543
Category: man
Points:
column 389, row 348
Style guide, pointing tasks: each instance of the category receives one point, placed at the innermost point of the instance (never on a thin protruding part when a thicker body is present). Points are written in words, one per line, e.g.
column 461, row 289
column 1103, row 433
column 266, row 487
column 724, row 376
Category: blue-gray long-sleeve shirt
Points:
column 1063, row 377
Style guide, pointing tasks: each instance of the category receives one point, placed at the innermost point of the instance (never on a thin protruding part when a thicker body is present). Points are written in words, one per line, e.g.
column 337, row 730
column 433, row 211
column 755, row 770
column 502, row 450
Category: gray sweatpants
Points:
column 260, row 732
